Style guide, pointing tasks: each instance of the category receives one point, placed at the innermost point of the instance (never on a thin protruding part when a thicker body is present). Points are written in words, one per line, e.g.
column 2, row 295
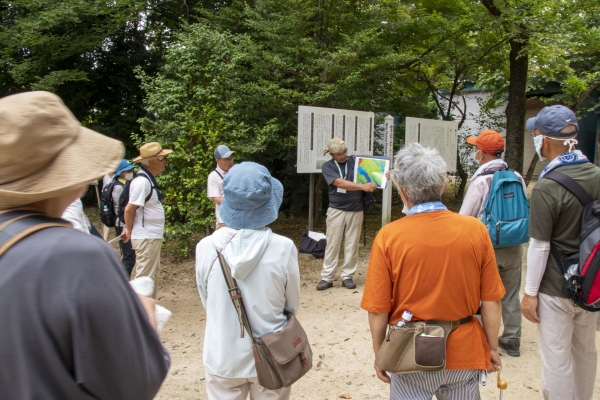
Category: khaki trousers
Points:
column 509, row 261
column 566, row 342
column 147, row 260
column 347, row 225
column 218, row 388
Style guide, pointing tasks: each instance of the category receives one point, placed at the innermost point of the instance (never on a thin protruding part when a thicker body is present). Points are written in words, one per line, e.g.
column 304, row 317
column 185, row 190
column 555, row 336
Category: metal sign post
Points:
column 386, row 205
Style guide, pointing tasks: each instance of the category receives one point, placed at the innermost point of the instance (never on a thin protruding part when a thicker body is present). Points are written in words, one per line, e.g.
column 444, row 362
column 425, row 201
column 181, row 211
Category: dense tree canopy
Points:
column 194, row 73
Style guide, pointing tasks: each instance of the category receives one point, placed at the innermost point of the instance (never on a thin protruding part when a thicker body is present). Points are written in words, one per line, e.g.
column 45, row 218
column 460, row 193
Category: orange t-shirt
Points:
column 438, row 265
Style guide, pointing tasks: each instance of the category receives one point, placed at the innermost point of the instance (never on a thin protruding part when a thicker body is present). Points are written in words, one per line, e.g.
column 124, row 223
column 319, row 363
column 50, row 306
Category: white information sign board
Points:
column 442, row 135
column 317, row 126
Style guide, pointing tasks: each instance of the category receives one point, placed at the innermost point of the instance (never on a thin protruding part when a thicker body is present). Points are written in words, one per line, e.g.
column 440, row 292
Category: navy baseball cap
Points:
column 223, row 151
column 553, row 119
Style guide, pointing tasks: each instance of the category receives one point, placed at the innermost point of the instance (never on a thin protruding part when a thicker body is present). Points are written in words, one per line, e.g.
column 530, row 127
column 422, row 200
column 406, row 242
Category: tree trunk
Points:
column 318, row 217
column 516, row 107
column 534, row 162
column 463, row 178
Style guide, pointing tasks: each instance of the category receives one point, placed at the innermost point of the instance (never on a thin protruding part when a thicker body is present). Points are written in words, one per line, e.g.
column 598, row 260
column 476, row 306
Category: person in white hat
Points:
column 344, row 215
column 72, row 327
column 214, row 183
column 144, row 213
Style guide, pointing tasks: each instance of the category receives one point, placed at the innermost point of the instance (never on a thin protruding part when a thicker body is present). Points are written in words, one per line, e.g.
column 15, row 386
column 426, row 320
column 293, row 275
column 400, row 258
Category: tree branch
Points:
column 585, row 95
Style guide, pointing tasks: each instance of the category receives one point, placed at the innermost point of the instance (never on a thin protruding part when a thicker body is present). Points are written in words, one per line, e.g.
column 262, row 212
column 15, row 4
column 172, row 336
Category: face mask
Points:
column 537, row 143
column 571, row 143
column 478, row 160
column 129, row 176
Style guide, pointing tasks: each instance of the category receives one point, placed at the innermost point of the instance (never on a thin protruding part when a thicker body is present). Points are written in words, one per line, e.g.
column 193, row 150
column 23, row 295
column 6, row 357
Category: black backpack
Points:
column 107, row 207
column 124, row 199
column 581, row 270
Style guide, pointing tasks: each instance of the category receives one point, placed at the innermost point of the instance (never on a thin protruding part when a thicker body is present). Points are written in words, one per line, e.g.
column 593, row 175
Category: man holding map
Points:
column 344, row 215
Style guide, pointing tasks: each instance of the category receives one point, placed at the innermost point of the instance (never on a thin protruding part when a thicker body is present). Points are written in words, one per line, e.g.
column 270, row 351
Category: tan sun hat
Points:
column 335, row 145
column 151, row 150
column 45, row 152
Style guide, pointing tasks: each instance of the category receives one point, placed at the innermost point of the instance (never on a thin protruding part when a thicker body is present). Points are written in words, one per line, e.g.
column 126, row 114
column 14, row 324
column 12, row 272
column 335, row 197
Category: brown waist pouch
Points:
column 419, row 347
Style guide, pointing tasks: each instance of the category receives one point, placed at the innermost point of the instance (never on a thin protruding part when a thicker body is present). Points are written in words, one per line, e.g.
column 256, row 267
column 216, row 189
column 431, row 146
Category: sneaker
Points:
column 324, row 285
column 512, row 347
column 348, row 283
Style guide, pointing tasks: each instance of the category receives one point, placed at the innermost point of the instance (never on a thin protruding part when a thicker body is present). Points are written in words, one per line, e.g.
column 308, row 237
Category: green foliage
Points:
column 188, row 211
column 86, row 52
column 197, row 73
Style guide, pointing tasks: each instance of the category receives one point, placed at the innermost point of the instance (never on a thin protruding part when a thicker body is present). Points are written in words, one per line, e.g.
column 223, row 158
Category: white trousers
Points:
column 218, row 388
column 347, row 225
column 566, row 343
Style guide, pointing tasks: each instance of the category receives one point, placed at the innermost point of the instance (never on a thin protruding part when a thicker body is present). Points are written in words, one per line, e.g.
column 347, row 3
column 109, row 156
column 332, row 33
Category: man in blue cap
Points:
column 566, row 333
column 214, row 190
column 123, row 174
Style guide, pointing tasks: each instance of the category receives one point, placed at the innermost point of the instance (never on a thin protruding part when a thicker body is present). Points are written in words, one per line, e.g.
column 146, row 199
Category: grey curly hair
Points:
column 420, row 172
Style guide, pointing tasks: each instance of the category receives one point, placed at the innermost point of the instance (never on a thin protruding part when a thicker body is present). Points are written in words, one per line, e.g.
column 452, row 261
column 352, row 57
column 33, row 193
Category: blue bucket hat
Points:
column 251, row 197
column 124, row 165
column 553, row 119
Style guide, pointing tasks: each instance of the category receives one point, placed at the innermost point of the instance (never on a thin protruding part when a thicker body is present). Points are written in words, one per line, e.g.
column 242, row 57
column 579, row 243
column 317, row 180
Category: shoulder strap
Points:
column 578, row 191
column 571, row 185
column 236, row 297
column 490, row 172
column 18, row 224
column 218, row 173
column 152, row 187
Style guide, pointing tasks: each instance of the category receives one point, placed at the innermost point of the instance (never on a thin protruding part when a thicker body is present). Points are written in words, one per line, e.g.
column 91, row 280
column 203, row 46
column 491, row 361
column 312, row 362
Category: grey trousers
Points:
column 509, row 260
column 447, row 384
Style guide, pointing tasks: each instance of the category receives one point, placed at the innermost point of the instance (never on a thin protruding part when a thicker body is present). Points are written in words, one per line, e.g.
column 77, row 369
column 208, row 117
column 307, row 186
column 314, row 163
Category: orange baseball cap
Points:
column 488, row 141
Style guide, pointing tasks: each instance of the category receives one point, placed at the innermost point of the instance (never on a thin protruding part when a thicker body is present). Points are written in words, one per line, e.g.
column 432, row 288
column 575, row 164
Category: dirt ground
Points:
column 339, row 334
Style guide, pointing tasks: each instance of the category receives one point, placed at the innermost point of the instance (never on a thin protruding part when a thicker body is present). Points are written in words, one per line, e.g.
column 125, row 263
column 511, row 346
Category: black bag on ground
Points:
column 311, row 246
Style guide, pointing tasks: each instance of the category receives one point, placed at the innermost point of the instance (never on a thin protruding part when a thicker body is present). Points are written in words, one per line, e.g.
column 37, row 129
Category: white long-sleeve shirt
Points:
column 537, row 261
column 265, row 266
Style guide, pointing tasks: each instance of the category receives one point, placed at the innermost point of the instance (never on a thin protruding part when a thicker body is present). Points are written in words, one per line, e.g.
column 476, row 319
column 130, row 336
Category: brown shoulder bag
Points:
column 281, row 358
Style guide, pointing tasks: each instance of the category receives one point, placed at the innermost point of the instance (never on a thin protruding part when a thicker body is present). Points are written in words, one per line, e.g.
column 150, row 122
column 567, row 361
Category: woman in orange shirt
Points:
column 439, row 265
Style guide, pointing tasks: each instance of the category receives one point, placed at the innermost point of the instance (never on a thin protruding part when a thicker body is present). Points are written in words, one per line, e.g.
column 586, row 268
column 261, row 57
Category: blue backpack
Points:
column 506, row 211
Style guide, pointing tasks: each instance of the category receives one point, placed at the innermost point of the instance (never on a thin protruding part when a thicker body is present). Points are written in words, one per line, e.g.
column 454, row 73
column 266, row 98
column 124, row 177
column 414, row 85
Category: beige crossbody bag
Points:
column 281, row 358
column 421, row 346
